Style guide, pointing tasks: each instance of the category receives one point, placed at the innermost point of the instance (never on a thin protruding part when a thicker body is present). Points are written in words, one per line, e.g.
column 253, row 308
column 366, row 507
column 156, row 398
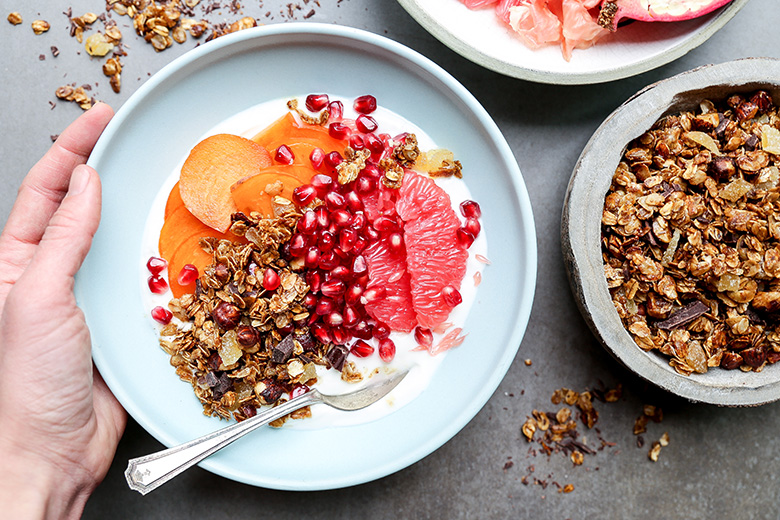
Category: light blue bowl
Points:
column 165, row 118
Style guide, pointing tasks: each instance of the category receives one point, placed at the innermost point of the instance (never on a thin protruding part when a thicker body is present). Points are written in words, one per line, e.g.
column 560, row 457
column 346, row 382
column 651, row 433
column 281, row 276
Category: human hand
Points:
column 59, row 423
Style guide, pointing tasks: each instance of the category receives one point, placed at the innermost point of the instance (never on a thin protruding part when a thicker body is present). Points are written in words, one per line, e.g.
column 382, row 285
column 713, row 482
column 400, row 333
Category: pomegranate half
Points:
column 612, row 11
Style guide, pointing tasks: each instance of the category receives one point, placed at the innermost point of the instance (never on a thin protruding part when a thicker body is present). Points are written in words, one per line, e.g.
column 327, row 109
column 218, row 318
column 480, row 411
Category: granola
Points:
column 691, row 238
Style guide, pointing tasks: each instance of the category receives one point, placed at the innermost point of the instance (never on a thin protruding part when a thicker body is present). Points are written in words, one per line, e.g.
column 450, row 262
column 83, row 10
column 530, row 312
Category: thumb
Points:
column 68, row 236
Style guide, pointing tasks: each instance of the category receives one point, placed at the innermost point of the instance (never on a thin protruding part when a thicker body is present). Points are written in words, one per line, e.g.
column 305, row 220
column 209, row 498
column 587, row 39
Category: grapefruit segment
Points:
column 434, row 258
column 388, row 270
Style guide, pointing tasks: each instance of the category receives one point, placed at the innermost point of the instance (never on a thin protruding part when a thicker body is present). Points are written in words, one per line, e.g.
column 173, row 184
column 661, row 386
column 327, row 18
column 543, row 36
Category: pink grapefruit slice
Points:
column 387, row 270
column 434, row 259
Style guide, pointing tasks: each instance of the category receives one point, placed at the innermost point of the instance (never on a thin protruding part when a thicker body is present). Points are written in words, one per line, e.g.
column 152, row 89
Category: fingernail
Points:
column 78, row 180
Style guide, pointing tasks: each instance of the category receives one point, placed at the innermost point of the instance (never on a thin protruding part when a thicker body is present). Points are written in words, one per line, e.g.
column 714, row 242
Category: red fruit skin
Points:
column 614, row 11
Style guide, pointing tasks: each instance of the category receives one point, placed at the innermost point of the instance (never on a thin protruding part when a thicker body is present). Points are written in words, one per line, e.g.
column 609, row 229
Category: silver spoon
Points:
column 145, row 474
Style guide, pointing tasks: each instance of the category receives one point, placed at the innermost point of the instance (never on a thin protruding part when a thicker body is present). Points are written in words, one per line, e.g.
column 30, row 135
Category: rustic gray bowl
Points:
column 581, row 231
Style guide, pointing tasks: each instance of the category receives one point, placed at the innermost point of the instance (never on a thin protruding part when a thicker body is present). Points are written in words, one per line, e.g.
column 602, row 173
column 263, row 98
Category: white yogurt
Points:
column 422, row 365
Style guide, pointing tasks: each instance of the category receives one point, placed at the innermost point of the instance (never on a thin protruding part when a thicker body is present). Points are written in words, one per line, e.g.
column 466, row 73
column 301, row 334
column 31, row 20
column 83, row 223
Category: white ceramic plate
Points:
column 635, row 48
column 158, row 126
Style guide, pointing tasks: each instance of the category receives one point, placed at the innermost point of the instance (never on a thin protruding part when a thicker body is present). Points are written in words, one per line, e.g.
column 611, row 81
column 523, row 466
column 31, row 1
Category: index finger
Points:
column 47, row 183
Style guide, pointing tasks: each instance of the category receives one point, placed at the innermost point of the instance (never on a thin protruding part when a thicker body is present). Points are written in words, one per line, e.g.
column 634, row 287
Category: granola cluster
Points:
column 242, row 346
column 691, row 236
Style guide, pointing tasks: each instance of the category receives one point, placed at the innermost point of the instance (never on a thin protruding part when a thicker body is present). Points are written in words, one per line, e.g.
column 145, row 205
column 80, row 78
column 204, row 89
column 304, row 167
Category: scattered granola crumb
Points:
column 40, row 26
column 55, row 51
column 528, row 362
column 14, row 18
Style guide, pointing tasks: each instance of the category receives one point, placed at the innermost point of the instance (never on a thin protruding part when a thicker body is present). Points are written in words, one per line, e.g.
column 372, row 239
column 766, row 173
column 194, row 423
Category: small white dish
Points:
column 156, row 128
column 635, row 48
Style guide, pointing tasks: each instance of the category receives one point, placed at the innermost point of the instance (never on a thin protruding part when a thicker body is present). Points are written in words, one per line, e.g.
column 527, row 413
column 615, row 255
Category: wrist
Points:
column 32, row 487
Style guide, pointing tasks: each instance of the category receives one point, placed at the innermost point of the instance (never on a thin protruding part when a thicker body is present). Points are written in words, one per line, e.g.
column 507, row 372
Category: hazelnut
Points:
column 762, row 100
column 754, row 356
column 730, row 360
column 246, row 335
column 226, row 315
column 722, row 167
column 746, row 110
column 221, row 272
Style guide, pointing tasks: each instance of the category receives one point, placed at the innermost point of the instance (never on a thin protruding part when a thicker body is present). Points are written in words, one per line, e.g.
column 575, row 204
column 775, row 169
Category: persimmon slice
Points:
column 213, row 166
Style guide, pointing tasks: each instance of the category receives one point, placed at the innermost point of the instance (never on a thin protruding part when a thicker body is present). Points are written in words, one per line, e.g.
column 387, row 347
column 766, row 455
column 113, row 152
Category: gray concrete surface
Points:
column 720, row 463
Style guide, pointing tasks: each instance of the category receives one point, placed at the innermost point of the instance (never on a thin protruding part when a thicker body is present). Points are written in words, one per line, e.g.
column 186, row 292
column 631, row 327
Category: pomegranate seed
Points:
column 334, row 319
column 465, row 239
column 356, row 142
column 472, row 226
column 353, row 293
column 360, row 245
column 470, row 209
column 363, row 330
column 304, row 195
column 322, row 182
column 162, row 315
column 338, row 131
column 284, row 155
column 374, row 144
column 328, row 260
column 366, row 124
column 386, row 350
column 361, row 349
column 156, row 265
column 335, row 200
column 340, row 271
column 333, row 159
column 381, row 331
column 365, row 185
column 332, row 288
column 317, row 157
column 373, row 294
column 314, row 279
column 320, row 332
column 350, row 315
column 359, row 266
column 297, row 245
column 358, row 221
column 188, row 274
column 451, row 296
column 396, row 242
column 347, row 239
column 286, row 329
column 371, row 170
column 371, row 234
column 354, row 203
column 271, row 280
column 323, row 220
column 324, row 306
column 316, row 102
column 341, row 217
column 297, row 391
column 312, row 258
column 340, row 336
column 365, row 104
column 309, row 300
column 326, row 241
column 335, row 110
column 307, row 224
column 157, row 284
column 383, row 223
column 423, row 337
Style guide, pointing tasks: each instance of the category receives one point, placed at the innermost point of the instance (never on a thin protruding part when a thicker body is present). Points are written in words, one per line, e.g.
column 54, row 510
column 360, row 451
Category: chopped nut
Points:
column 14, row 18
column 40, row 26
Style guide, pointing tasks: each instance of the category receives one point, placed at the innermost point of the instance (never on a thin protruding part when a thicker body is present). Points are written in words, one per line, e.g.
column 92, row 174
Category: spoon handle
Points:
column 144, row 474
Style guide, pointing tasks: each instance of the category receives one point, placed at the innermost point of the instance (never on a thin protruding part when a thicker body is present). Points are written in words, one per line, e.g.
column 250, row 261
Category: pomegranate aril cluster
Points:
column 467, row 233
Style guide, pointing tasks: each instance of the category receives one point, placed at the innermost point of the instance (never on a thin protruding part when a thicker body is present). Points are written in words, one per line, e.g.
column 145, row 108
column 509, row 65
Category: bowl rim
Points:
column 581, row 229
column 451, row 40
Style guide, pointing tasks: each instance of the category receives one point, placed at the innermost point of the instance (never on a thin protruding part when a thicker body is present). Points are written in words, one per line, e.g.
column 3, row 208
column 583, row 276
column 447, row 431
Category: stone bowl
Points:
column 581, row 228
